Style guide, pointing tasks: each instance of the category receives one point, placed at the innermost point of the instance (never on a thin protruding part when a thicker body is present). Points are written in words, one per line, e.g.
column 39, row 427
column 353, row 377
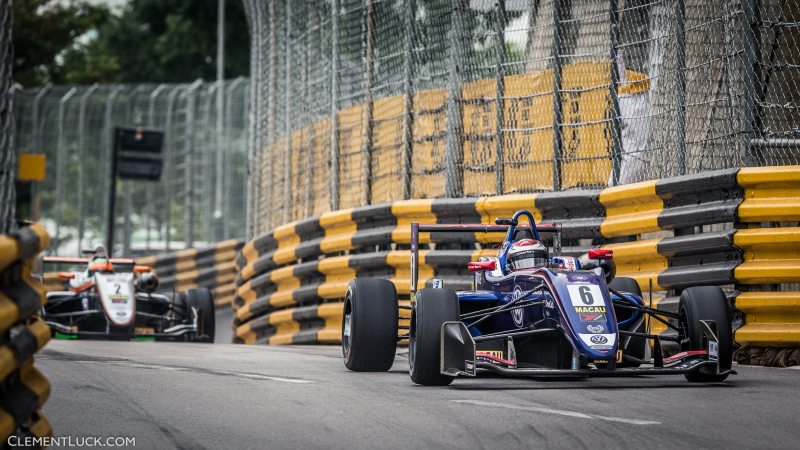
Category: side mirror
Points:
column 600, row 253
column 477, row 266
column 141, row 269
column 66, row 275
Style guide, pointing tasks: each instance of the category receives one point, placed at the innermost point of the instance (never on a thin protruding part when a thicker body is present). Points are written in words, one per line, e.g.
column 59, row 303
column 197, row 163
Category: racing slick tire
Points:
column 202, row 300
column 706, row 303
column 636, row 345
column 432, row 308
column 369, row 325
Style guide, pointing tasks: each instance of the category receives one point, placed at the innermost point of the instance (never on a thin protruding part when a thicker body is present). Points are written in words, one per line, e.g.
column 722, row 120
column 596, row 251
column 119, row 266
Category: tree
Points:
column 43, row 31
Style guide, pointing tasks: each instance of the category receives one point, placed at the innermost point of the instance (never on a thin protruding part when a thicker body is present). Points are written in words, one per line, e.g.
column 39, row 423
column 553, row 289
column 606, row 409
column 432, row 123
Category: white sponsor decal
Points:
column 713, row 350
column 585, row 295
column 437, row 283
column 517, row 313
column 569, row 263
column 596, row 328
column 599, row 341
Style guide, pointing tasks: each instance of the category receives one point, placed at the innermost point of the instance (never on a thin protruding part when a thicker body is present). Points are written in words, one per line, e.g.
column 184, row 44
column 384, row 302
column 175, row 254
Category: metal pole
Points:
column 752, row 89
column 616, row 134
column 218, row 218
column 111, row 176
column 169, row 162
column 151, row 122
column 272, row 100
column 408, row 93
column 252, row 21
column 188, row 166
column 680, row 81
column 557, row 113
column 81, row 157
column 287, row 164
column 499, row 99
column 454, row 156
column 60, row 161
column 127, row 184
column 227, row 178
column 366, row 148
column 37, row 148
column 312, row 63
column 334, row 200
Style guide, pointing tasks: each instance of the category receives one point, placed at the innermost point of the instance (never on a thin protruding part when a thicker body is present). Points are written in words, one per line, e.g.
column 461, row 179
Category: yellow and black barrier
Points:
column 23, row 389
column 286, row 273
column 213, row 268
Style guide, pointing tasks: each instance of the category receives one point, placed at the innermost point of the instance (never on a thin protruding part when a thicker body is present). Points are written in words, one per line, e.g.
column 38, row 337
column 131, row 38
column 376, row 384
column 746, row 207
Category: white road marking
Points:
column 558, row 412
column 251, row 376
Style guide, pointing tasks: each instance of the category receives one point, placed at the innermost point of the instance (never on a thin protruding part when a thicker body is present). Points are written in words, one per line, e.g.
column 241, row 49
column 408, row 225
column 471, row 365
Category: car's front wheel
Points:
column 432, row 308
column 369, row 325
column 706, row 303
column 202, row 300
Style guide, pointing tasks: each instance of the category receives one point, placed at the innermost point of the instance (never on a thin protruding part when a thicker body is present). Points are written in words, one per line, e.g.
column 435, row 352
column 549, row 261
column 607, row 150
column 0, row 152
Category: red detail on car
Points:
column 477, row 266
column 601, row 253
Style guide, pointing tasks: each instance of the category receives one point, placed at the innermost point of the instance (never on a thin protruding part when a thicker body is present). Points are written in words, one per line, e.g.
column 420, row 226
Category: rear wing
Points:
column 417, row 228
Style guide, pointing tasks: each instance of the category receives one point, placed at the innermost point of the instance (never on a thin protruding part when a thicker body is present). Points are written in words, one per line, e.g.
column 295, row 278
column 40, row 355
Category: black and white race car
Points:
column 113, row 298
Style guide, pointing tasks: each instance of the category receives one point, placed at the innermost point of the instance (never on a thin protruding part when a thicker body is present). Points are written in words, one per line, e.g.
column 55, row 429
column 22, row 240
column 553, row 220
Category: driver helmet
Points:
column 99, row 261
column 527, row 254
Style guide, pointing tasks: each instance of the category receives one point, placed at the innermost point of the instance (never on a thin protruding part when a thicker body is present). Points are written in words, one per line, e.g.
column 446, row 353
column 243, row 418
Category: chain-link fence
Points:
column 8, row 166
column 366, row 101
column 73, row 126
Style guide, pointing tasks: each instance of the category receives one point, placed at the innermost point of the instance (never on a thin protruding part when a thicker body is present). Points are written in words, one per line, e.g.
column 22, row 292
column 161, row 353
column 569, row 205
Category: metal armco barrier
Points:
column 23, row 389
column 213, row 268
column 291, row 280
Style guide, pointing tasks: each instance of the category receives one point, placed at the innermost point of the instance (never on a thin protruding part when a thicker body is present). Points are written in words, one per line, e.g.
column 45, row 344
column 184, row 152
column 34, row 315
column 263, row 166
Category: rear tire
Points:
column 432, row 308
column 636, row 345
column 201, row 299
column 706, row 303
column 369, row 325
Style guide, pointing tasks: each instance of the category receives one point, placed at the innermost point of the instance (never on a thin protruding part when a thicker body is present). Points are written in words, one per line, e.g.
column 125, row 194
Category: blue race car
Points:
column 534, row 315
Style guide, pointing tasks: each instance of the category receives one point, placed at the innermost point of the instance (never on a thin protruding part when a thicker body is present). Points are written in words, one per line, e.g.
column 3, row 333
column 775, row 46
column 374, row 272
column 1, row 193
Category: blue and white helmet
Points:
column 527, row 254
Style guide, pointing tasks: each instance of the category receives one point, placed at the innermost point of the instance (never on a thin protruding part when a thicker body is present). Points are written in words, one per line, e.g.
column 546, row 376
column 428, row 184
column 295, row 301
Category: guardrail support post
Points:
column 312, row 62
column 287, row 164
column 680, row 88
column 751, row 89
column 81, row 157
column 454, row 157
column 334, row 201
column 499, row 99
column 408, row 93
column 60, row 161
column 557, row 113
column 616, row 135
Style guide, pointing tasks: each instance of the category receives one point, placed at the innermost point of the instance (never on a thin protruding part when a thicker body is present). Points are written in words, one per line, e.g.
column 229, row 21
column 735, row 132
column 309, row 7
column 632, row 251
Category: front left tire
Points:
column 202, row 300
column 369, row 325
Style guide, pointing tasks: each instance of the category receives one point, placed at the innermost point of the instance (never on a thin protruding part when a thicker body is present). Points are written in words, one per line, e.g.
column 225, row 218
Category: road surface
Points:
column 195, row 396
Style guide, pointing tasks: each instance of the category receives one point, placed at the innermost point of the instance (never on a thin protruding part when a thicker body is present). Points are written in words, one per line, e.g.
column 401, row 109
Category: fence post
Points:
column 311, row 59
column 366, row 147
column 680, row 81
column 616, row 135
column 287, row 164
column 334, row 201
column 219, row 171
column 8, row 160
column 227, row 134
column 557, row 112
column 151, row 122
column 37, row 144
column 81, row 156
column 108, row 137
column 752, row 89
column 454, row 180
column 168, row 163
column 60, row 161
column 188, row 165
column 272, row 98
column 499, row 99
column 408, row 93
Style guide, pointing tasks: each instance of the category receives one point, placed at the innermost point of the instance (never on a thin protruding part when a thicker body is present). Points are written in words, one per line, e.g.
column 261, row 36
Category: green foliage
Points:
column 74, row 42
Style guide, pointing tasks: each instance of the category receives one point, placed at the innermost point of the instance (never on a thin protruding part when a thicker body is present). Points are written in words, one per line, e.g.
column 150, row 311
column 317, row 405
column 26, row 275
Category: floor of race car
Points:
column 176, row 395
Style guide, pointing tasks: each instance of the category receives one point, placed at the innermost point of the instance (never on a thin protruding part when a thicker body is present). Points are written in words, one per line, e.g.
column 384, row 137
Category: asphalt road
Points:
column 194, row 396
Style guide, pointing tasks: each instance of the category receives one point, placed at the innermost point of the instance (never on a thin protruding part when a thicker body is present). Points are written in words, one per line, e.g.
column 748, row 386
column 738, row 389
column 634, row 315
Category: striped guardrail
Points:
column 213, row 268
column 23, row 389
column 287, row 273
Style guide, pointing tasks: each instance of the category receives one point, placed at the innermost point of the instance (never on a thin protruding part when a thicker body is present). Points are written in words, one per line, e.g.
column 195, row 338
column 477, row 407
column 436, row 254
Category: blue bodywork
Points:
column 573, row 301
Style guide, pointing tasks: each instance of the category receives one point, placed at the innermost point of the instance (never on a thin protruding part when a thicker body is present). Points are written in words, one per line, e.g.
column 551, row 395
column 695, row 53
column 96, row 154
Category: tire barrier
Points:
column 213, row 268
column 23, row 389
column 291, row 279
